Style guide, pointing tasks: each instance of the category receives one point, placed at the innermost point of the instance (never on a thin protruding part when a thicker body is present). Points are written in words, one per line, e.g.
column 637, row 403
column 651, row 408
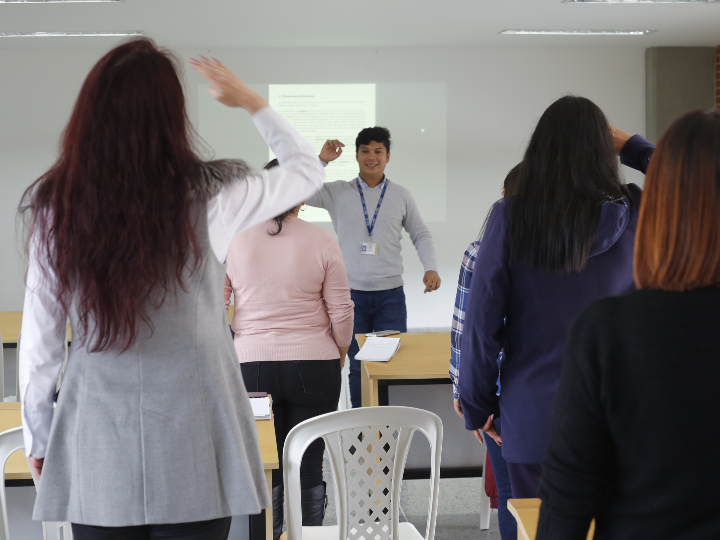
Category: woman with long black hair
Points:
column 153, row 435
column 565, row 240
column 645, row 364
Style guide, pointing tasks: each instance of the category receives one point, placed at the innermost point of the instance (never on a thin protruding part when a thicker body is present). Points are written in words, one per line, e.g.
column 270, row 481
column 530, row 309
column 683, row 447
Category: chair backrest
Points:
column 367, row 448
column 10, row 441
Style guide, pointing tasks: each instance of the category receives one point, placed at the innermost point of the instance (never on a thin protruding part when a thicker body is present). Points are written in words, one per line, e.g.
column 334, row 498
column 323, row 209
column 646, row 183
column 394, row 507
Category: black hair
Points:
column 570, row 168
column 282, row 217
column 509, row 189
column 377, row 134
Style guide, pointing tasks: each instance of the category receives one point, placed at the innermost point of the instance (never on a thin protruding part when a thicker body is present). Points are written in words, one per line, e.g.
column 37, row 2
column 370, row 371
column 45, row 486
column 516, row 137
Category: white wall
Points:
column 494, row 99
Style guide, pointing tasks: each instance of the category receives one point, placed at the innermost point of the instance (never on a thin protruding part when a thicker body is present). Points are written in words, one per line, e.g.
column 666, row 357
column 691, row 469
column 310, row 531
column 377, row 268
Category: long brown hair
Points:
column 112, row 215
column 677, row 246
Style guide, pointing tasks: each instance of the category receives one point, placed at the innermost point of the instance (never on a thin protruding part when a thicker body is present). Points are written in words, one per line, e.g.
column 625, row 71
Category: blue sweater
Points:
column 540, row 307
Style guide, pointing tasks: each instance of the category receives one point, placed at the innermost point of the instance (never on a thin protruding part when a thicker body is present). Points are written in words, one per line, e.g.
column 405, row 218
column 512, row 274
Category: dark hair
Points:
column 282, row 217
column 112, row 216
column 569, row 169
column 509, row 188
column 677, row 246
column 377, row 134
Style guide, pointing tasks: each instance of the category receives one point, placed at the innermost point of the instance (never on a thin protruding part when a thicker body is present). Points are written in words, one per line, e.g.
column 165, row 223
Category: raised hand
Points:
column 331, row 150
column 620, row 137
column 226, row 87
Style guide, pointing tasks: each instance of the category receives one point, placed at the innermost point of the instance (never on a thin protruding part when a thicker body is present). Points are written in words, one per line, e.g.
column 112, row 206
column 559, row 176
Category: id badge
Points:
column 368, row 248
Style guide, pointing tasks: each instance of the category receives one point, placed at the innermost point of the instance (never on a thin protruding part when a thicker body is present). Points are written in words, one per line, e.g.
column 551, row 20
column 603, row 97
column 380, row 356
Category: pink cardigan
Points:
column 288, row 289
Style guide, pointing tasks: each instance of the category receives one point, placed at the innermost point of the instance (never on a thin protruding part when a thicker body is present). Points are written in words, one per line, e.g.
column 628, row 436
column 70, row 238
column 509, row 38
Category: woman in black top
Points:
column 641, row 371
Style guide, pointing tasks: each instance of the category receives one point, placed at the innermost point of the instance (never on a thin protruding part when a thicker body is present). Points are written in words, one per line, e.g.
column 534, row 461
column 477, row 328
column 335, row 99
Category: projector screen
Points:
column 415, row 114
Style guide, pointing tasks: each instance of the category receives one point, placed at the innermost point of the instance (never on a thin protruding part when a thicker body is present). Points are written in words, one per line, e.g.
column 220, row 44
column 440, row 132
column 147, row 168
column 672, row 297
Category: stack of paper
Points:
column 261, row 407
column 378, row 349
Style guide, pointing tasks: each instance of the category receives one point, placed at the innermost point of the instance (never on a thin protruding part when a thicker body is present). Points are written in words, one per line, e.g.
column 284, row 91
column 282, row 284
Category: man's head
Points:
column 372, row 147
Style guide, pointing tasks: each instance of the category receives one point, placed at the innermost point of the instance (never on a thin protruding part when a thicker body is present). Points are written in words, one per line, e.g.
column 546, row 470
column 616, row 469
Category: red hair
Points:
column 677, row 245
column 112, row 215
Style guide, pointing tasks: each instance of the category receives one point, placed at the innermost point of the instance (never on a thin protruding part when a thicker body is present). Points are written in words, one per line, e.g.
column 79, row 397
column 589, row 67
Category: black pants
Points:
column 215, row 529
column 300, row 389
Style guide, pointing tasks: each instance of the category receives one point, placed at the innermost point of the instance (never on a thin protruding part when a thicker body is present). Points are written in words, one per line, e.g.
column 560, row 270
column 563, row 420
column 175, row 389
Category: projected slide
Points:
column 327, row 111
column 415, row 114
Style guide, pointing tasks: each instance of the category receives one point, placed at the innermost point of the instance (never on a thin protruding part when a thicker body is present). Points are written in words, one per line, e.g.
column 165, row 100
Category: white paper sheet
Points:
column 378, row 349
column 260, row 407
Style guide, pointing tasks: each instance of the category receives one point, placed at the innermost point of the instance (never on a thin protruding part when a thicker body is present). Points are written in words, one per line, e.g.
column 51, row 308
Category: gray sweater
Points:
column 384, row 270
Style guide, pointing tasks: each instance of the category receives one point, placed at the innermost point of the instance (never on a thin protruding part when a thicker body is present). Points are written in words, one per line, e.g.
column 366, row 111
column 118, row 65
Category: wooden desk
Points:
column 10, row 323
column 527, row 514
column 17, row 472
column 423, row 358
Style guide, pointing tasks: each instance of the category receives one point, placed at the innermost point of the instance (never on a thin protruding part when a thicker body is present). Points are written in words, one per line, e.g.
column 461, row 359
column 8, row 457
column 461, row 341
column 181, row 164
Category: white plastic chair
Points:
column 10, row 442
column 367, row 449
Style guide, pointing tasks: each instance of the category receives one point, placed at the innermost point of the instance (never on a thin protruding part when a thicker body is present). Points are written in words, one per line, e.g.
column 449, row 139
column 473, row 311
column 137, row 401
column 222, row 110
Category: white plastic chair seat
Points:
column 406, row 531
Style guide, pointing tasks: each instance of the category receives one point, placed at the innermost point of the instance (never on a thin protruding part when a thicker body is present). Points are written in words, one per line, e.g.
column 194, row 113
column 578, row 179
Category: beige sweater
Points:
column 288, row 290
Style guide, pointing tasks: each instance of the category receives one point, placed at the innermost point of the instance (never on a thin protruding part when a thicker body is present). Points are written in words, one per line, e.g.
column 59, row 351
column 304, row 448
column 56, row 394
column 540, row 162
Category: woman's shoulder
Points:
column 616, row 315
column 310, row 231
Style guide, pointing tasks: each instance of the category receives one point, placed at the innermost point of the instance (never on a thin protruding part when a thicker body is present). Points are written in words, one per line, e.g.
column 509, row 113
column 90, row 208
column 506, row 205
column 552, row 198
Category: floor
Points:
column 458, row 517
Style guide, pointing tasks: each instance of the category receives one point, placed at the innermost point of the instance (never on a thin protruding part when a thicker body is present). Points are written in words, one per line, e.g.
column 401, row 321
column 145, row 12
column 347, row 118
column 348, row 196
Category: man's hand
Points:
column 620, row 137
column 490, row 429
column 331, row 150
column 36, row 466
column 431, row 281
column 458, row 408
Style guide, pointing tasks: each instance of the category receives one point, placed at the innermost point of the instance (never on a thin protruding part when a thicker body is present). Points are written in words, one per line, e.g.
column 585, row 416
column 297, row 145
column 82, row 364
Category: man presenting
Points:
column 368, row 214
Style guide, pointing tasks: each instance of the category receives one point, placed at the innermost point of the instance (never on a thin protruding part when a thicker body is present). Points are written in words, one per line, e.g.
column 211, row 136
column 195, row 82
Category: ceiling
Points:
column 361, row 23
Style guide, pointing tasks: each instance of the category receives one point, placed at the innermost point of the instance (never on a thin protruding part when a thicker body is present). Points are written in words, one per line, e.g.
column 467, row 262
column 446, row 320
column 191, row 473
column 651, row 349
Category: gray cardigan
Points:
column 164, row 432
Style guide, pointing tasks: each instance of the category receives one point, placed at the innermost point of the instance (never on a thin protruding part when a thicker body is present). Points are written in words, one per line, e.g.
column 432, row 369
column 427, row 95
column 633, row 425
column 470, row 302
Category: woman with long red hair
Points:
column 153, row 435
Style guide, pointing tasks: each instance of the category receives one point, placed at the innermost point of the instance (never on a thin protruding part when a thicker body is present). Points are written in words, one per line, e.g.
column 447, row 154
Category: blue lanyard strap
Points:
column 370, row 226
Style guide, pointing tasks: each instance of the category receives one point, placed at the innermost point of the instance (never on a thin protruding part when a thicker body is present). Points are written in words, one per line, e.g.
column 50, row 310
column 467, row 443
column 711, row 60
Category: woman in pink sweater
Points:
column 293, row 325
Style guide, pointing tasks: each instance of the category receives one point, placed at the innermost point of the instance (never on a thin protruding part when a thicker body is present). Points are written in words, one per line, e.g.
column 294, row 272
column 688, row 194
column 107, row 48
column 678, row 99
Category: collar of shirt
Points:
column 379, row 186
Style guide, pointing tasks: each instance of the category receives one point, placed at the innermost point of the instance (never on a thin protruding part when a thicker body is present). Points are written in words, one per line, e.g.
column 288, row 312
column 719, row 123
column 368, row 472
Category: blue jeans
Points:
column 374, row 311
column 506, row 521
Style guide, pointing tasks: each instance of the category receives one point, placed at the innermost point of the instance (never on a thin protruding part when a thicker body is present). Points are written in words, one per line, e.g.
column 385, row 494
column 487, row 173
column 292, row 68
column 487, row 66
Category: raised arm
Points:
column 634, row 150
column 336, row 294
column 252, row 198
column 331, row 150
column 257, row 197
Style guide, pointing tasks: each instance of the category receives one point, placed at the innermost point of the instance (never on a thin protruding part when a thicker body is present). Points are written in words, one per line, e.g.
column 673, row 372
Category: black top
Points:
column 636, row 432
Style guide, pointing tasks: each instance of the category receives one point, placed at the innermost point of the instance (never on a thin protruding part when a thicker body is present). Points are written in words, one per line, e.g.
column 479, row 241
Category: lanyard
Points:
column 370, row 226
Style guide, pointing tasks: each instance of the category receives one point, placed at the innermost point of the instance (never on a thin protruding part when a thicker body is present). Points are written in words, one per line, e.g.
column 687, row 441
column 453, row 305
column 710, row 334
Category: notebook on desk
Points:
column 261, row 404
column 378, row 349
